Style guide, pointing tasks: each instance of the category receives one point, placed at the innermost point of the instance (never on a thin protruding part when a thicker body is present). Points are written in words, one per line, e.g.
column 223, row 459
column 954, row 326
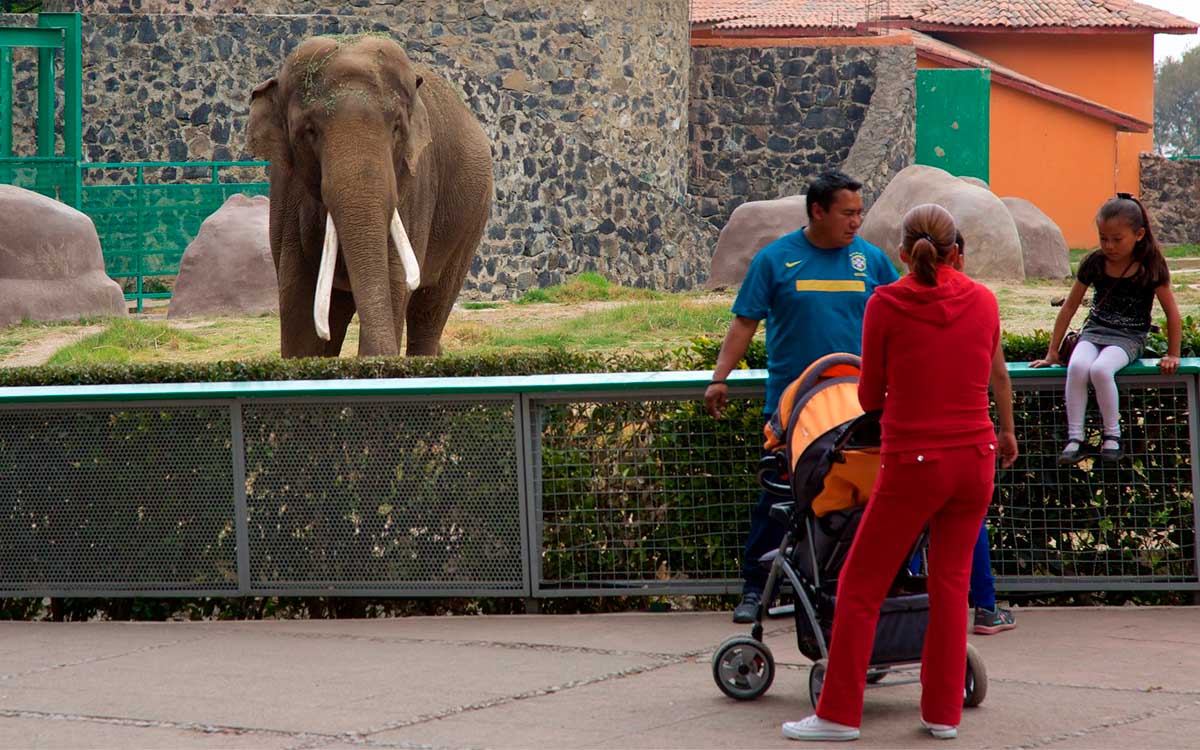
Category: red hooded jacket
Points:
column 926, row 361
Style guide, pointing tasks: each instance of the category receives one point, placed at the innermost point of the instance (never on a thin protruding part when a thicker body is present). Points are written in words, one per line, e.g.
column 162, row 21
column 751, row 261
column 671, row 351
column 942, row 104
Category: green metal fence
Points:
column 543, row 486
column 146, row 224
column 146, row 213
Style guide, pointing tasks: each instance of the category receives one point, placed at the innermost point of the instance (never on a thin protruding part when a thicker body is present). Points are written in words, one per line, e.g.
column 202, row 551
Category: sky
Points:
column 1174, row 45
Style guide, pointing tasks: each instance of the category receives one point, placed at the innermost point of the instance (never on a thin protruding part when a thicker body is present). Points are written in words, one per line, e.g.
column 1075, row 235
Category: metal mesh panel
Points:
column 116, row 499
column 54, row 178
column 643, row 494
column 1132, row 521
column 396, row 495
column 144, row 229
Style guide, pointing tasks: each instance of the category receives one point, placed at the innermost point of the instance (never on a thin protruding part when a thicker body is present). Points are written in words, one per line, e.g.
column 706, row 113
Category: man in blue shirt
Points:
column 811, row 286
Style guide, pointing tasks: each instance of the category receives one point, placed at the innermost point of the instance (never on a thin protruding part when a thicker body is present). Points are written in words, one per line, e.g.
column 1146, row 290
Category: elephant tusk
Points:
column 325, row 279
column 408, row 259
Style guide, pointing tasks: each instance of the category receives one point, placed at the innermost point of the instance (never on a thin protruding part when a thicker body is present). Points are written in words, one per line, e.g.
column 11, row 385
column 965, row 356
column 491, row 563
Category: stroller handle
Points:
column 769, row 470
column 867, row 422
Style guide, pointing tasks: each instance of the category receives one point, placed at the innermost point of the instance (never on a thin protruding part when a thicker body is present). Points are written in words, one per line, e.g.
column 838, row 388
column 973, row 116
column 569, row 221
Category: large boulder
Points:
column 51, row 267
column 1042, row 243
column 750, row 228
column 976, row 182
column 993, row 245
column 227, row 269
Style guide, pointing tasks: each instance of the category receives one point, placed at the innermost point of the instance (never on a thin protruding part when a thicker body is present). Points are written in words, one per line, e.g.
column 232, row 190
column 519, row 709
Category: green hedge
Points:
column 699, row 355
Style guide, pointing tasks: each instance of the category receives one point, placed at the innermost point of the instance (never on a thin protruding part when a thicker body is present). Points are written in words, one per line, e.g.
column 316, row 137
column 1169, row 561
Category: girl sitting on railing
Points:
column 1128, row 271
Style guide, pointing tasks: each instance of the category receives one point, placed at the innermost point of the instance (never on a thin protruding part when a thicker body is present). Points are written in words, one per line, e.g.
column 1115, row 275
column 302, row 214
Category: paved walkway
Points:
column 1066, row 678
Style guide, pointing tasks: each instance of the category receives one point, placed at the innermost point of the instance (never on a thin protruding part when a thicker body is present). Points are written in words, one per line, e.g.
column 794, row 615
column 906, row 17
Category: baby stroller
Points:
column 824, row 459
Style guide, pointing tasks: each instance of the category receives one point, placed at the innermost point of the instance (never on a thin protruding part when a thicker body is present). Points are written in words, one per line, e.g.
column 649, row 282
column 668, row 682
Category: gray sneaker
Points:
column 747, row 610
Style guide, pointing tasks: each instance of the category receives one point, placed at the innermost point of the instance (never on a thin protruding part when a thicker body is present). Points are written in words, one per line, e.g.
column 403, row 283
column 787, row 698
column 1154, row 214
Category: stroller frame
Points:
column 744, row 667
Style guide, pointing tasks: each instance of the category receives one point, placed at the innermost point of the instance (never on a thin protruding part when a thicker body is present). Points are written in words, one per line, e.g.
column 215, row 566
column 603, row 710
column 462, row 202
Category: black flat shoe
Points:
column 1072, row 453
column 1111, row 454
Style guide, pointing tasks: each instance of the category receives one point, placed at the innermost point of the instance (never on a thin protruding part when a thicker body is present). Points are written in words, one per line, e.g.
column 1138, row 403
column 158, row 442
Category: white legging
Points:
column 1100, row 366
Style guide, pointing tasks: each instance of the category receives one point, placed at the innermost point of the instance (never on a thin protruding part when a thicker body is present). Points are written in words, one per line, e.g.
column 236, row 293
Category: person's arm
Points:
column 1170, row 363
column 733, row 348
column 1061, row 323
column 1001, row 387
column 872, row 380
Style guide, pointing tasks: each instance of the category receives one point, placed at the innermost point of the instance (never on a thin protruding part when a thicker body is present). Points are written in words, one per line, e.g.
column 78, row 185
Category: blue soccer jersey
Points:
column 813, row 301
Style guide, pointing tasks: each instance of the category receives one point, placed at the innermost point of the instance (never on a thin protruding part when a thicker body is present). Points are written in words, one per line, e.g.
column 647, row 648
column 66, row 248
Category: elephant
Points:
column 380, row 187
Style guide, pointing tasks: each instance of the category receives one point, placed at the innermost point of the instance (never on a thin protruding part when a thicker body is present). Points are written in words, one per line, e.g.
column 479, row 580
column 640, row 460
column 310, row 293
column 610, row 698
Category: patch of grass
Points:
column 647, row 325
column 14, row 337
column 121, row 341
column 481, row 305
column 1175, row 251
column 587, row 287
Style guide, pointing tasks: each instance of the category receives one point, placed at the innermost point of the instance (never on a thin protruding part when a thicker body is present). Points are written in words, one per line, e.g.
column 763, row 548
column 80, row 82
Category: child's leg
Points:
column 983, row 583
column 1103, row 373
column 1078, row 371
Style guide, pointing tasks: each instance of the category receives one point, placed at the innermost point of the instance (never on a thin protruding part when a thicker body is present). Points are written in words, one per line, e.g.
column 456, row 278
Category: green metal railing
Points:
column 543, row 486
column 144, row 227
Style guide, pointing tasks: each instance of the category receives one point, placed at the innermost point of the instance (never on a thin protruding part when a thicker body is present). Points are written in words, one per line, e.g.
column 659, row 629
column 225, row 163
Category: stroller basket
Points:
column 898, row 637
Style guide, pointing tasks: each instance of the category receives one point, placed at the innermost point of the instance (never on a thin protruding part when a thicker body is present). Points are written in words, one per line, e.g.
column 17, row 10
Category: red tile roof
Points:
column 1125, row 15
column 948, row 54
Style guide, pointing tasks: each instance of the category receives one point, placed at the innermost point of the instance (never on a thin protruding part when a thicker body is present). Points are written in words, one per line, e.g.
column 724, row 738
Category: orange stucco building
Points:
column 1072, row 84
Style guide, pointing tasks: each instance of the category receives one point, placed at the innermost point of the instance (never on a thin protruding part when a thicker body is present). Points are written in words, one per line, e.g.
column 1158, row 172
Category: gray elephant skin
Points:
column 381, row 188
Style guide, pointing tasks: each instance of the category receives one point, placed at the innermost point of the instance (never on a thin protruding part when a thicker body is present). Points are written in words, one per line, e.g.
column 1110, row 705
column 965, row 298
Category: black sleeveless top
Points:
column 1124, row 304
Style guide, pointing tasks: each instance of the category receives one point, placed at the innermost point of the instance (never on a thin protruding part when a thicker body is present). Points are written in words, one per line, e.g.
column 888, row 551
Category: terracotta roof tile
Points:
column 1025, row 14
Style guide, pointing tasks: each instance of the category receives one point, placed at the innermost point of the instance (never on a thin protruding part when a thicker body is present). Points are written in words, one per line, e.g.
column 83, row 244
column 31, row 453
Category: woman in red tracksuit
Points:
column 931, row 345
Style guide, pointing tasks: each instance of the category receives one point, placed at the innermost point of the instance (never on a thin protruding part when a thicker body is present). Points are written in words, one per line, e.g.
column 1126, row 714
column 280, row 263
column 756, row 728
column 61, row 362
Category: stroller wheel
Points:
column 816, row 680
column 976, row 686
column 743, row 668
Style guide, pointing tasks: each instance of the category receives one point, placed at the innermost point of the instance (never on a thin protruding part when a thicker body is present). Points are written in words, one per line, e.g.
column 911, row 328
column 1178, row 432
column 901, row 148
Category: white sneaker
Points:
column 816, row 729
column 940, row 731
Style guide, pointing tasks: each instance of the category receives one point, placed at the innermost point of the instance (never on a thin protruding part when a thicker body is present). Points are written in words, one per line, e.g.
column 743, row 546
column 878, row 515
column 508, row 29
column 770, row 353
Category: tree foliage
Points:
column 20, row 6
column 1177, row 104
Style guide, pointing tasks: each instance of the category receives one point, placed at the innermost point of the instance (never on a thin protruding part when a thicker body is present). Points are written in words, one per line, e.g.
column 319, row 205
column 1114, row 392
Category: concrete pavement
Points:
column 1066, row 678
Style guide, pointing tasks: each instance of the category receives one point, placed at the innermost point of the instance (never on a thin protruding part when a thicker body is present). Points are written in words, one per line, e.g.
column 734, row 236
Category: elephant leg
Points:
column 341, row 310
column 297, row 288
column 429, row 309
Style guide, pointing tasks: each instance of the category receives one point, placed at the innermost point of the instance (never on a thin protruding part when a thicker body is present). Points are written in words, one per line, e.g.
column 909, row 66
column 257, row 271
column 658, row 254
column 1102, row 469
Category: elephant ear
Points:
column 264, row 133
column 420, row 134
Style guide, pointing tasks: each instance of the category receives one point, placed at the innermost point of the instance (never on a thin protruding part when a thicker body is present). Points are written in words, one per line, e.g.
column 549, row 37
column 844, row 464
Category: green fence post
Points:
column 6, row 103
column 71, row 27
column 45, row 100
column 141, row 233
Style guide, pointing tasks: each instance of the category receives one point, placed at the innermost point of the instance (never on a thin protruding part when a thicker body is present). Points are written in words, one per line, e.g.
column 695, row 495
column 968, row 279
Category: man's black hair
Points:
column 823, row 190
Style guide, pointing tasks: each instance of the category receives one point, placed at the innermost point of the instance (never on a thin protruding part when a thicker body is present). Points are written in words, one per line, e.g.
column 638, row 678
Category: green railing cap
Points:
column 570, row 383
column 1187, row 366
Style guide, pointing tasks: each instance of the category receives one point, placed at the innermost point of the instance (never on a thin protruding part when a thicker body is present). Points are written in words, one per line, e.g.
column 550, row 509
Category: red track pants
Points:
column 950, row 489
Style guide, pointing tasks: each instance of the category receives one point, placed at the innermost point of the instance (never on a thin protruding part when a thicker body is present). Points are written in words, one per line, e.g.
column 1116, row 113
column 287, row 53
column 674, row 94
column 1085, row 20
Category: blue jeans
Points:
column 983, row 583
column 764, row 536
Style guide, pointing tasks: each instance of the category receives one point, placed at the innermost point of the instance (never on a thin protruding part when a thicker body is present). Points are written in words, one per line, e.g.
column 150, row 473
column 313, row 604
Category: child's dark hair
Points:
column 1152, row 266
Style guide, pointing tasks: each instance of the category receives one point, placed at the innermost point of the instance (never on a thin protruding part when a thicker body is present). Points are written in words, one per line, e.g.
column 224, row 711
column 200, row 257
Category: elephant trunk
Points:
column 357, row 193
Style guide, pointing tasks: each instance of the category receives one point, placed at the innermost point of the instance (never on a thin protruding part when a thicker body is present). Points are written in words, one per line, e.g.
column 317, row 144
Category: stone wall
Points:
column 1171, row 193
column 765, row 121
column 585, row 102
